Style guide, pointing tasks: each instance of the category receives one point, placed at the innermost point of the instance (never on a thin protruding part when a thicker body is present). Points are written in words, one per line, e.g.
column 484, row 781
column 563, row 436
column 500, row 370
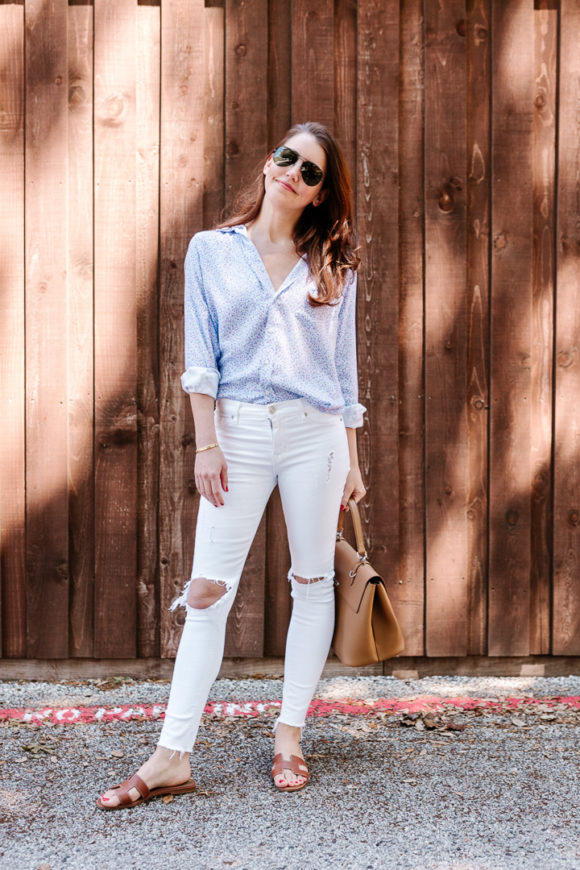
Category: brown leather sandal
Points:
column 146, row 793
column 296, row 765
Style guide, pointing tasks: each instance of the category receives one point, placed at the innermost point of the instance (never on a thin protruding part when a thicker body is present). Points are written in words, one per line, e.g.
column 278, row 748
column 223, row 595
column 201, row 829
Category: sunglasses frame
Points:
column 305, row 165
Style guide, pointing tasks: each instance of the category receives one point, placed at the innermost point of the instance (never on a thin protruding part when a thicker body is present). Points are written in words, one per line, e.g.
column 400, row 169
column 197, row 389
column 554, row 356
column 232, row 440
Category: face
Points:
column 285, row 185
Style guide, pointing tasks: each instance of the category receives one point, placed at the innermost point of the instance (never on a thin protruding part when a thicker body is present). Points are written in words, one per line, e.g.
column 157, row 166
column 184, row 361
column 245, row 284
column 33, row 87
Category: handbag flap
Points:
column 352, row 590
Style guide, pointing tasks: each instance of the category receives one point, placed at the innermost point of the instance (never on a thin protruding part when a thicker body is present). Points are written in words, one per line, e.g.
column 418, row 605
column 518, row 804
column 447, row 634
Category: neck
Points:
column 274, row 225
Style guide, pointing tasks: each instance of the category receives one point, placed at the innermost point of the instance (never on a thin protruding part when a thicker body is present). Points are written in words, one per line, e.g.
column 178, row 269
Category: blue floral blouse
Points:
column 246, row 341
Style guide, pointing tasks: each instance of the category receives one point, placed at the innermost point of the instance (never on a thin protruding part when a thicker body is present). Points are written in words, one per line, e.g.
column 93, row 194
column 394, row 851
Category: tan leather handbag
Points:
column 366, row 629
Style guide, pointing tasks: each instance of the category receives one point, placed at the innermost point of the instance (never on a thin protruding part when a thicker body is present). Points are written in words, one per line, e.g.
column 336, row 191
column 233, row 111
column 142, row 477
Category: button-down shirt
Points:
column 245, row 340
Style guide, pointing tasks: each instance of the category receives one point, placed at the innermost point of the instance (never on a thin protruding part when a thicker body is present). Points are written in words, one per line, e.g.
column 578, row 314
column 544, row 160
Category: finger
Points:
column 224, row 477
column 216, row 492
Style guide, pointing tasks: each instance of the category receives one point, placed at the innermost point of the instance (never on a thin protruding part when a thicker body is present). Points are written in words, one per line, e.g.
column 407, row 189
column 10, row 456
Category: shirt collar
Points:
column 239, row 228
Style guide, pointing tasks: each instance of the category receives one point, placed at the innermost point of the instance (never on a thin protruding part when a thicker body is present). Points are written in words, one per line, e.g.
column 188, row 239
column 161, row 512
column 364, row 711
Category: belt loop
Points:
column 238, row 409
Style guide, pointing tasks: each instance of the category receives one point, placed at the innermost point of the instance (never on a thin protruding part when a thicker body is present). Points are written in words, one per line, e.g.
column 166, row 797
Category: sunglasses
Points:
column 310, row 172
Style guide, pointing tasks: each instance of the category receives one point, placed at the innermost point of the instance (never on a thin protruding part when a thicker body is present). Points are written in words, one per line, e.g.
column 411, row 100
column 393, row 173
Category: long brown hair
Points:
column 325, row 233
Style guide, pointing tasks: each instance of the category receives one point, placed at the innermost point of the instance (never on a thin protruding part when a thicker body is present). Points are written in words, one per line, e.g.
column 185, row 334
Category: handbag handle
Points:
column 357, row 525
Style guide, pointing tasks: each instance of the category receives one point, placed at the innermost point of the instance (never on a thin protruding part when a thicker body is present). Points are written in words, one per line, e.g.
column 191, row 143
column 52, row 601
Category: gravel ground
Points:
column 501, row 792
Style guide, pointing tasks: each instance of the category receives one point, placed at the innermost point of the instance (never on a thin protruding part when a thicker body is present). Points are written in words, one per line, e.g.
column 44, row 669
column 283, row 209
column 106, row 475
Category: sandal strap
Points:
column 133, row 782
column 294, row 763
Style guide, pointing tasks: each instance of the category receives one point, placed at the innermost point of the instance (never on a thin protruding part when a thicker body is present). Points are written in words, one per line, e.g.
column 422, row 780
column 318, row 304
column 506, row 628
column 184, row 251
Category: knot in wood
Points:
column 480, row 33
column 446, row 200
column 512, row 517
column 499, row 241
column 574, row 518
column 478, row 403
column 564, row 359
column 114, row 111
column 471, row 515
column 540, row 101
column 461, row 27
column 241, row 49
column 448, row 490
column 232, row 149
column 448, row 344
column 58, row 81
column 76, row 96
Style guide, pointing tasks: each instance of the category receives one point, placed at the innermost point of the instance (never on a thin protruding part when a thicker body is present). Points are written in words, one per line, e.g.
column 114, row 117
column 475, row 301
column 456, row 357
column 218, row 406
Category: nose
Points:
column 294, row 170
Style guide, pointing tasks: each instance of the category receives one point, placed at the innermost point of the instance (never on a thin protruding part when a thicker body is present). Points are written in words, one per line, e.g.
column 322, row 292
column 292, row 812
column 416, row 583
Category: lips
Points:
column 287, row 186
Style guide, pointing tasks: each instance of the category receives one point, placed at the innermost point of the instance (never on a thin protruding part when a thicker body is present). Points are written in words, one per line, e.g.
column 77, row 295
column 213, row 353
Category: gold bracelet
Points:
column 207, row 447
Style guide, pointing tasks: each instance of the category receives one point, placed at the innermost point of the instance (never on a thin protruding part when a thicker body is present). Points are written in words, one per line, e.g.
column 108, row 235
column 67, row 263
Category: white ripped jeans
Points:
column 304, row 451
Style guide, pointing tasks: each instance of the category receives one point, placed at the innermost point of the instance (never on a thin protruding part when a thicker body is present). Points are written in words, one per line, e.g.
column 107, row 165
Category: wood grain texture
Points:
column 181, row 215
column 80, row 317
column 377, row 220
column 246, row 109
column 313, row 61
column 46, row 309
column 279, row 70
column 511, row 313
column 246, row 131
column 445, row 329
column 541, row 409
column 566, row 600
column 411, row 568
column 214, row 156
column 345, row 73
column 115, row 329
column 147, row 266
column 12, row 358
column 478, row 33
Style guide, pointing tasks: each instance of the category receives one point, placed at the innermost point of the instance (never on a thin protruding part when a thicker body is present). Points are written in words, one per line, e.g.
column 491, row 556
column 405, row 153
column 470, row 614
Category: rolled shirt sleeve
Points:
column 346, row 357
column 201, row 373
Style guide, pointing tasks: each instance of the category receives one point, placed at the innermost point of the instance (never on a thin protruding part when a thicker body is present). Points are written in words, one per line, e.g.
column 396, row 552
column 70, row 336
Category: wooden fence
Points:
column 124, row 129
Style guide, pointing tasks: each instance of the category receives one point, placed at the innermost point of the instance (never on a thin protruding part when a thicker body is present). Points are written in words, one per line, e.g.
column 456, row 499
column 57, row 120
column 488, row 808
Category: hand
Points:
column 211, row 475
column 353, row 488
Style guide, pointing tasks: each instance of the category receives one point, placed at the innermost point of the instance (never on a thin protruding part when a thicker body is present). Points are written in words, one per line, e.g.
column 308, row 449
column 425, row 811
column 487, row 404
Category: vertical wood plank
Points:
column 213, row 176
column 378, row 322
column 115, row 330
column 147, row 259
column 12, row 361
column 181, row 215
column 246, row 124
column 345, row 20
column 544, row 229
column 511, row 309
column 279, row 70
column 411, row 567
column 566, row 601
column 46, row 307
column 277, row 604
column 80, row 328
column 313, row 61
column 445, row 328
column 477, row 313
column 246, row 110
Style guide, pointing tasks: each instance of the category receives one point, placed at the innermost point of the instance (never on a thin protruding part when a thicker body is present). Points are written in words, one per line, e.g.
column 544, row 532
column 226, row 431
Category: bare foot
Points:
column 287, row 741
column 160, row 769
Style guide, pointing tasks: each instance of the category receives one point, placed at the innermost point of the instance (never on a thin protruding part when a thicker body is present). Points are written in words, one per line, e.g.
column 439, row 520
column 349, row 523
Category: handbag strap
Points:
column 357, row 526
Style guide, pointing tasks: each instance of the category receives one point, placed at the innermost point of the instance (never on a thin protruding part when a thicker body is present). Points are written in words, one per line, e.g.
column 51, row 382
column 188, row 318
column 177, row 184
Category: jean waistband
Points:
column 235, row 409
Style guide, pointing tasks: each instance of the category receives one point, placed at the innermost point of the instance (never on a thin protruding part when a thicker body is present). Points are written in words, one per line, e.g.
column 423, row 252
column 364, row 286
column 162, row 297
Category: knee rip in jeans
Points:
column 203, row 593
column 322, row 582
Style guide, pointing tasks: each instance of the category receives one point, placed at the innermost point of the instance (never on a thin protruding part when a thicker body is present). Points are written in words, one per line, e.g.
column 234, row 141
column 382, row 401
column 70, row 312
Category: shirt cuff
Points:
column 196, row 379
column 352, row 416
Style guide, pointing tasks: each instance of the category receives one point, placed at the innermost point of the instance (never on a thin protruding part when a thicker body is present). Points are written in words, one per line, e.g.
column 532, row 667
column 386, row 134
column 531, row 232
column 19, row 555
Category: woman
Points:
column 270, row 332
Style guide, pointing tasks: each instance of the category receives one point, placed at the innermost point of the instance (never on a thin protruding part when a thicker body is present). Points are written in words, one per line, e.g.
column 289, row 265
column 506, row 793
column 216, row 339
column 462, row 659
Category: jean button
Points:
column 271, row 409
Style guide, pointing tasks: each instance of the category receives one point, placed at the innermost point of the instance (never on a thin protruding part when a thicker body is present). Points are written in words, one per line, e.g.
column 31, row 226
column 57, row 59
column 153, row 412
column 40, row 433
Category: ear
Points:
column 320, row 197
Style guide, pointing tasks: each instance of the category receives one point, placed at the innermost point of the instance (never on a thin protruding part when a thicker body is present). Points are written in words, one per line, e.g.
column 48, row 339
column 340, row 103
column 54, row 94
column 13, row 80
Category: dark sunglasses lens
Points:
column 284, row 156
column 311, row 174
